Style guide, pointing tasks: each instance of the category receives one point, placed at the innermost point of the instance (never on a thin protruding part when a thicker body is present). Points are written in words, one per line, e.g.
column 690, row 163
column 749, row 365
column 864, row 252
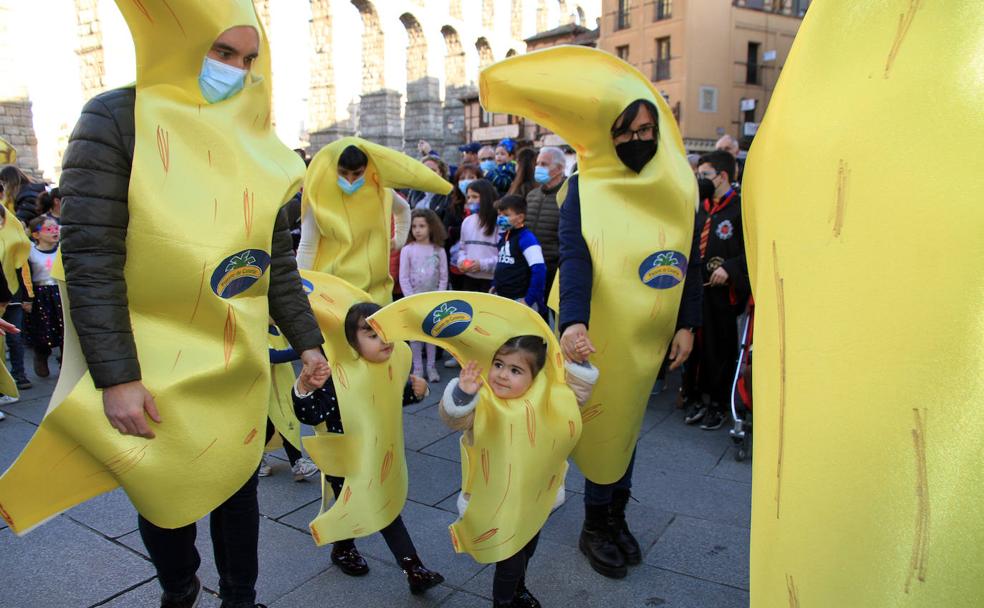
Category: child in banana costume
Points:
column 514, row 455
column 346, row 209
column 357, row 415
column 190, row 198
column 867, row 485
column 626, row 230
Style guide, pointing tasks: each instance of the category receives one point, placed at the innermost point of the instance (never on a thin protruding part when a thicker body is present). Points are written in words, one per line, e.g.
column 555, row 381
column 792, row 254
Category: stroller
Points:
column 741, row 388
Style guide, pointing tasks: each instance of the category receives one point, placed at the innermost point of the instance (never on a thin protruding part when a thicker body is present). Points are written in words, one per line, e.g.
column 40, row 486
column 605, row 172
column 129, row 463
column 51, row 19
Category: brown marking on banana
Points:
column 384, row 469
column 510, row 433
column 252, row 384
column 482, row 331
column 209, row 159
column 207, row 448
column 390, row 371
column 591, row 412
column 201, row 290
column 484, row 536
column 176, row 359
column 143, row 10
column 454, row 540
column 792, row 592
column 485, row 465
column 382, row 508
column 229, row 337
column 531, row 422
column 905, row 22
column 553, row 478
column 249, row 203
column 250, row 436
column 506, row 492
column 215, row 210
column 346, row 495
column 920, row 546
column 843, row 173
column 7, row 517
column 339, row 372
column 175, row 17
column 358, row 531
column 572, row 428
column 164, row 148
column 781, row 309
column 492, row 314
column 315, row 535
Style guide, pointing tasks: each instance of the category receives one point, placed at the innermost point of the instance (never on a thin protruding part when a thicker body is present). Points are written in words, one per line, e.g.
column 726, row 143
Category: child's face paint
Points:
column 510, row 376
column 371, row 346
column 49, row 233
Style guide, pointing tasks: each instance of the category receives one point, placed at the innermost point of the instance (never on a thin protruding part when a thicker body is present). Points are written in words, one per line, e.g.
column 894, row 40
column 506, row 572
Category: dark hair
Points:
column 442, row 167
column 15, row 178
column 457, row 196
column 352, row 159
column 525, row 168
column 510, row 201
column 46, row 201
column 486, row 204
column 358, row 312
column 434, row 225
column 722, row 162
column 624, row 120
column 36, row 224
column 534, row 347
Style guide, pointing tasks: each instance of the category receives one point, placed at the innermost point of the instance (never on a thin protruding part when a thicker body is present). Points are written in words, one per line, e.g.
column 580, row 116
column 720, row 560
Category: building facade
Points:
column 716, row 62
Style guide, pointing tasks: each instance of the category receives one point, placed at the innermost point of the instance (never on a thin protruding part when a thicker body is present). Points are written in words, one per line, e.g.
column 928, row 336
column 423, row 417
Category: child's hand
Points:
column 470, row 378
column 467, row 265
column 313, row 378
column 419, row 386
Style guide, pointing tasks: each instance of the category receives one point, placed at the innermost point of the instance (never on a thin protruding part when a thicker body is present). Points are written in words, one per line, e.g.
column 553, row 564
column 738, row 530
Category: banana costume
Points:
column 638, row 228
column 369, row 454
column 14, row 249
column 868, row 484
column 206, row 185
column 519, row 455
column 355, row 229
column 8, row 154
column 281, row 411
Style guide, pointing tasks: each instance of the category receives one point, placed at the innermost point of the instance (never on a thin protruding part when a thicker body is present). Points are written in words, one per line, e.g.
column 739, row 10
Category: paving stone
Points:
column 449, row 504
column 432, row 479
column 463, row 599
column 448, row 448
column 429, row 411
column 729, row 468
column 31, row 410
column 710, row 498
column 149, row 594
column 675, row 446
column 63, row 564
column 703, row 549
column 279, row 494
column 385, row 585
column 564, row 525
column 420, row 432
column 111, row 514
column 14, row 435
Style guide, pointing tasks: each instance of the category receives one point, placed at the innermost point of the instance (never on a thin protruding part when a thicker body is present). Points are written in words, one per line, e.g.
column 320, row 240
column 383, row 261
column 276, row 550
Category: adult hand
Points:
column 28, row 307
column 576, row 344
column 8, row 328
column 124, row 406
column 315, row 371
column 470, row 378
column 681, row 347
column 718, row 277
column 419, row 386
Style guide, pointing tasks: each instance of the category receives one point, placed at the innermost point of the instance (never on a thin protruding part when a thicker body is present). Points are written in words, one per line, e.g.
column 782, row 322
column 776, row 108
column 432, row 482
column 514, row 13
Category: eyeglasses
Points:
column 643, row 132
column 707, row 174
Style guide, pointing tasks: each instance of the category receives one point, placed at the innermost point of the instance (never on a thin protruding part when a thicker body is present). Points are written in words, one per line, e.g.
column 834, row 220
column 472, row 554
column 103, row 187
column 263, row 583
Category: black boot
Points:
column 348, row 559
column 624, row 540
column 597, row 545
column 523, row 597
column 419, row 578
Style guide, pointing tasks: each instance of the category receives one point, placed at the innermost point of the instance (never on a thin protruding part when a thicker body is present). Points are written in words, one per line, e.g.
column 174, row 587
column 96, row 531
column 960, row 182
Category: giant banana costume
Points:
column 369, row 454
column 14, row 249
column 518, row 457
column 355, row 229
column 281, row 411
column 206, row 185
column 638, row 228
column 868, row 484
column 8, row 154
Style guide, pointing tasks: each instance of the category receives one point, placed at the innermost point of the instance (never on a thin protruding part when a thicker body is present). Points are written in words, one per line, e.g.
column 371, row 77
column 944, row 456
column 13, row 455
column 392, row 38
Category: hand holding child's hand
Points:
column 419, row 386
column 313, row 378
column 470, row 378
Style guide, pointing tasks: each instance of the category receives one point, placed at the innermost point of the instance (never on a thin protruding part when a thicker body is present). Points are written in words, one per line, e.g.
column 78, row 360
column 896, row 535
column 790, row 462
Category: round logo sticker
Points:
column 239, row 272
column 308, row 286
column 448, row 320
column 663, row 269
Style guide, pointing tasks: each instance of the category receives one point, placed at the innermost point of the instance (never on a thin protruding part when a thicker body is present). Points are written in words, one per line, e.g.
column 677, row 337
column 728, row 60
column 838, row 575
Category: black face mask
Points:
column 635, row 153
column 705, row 188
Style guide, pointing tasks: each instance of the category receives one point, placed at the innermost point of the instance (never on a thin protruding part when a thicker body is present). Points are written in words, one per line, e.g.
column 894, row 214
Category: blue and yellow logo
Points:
column 448, row 320
column 308, row 286
column 663, row 269
column 239, row 272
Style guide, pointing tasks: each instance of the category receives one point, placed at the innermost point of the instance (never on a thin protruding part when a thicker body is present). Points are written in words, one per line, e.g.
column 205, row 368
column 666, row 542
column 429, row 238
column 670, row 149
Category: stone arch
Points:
column 423, row 114
column 488, row 14
column 455, row 87
column 416, row 48
column 542, row 16
column 454, row 9
column 322, row 127
column 372, row 47
column 516, row 20
column 454, row 60
column 485, row 56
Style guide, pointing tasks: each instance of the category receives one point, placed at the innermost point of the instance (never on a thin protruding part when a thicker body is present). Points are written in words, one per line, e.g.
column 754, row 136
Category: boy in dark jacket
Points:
column 520, row 273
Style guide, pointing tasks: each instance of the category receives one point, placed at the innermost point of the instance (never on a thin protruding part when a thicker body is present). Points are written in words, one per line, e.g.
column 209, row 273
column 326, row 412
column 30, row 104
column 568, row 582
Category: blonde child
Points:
column 44, row 323
column 424, row 267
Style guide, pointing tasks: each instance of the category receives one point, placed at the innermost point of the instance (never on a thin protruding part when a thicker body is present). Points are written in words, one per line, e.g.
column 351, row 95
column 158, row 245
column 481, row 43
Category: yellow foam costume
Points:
column 369, row 454
column 206, row 185
column 518, row 457
column 281, row 406
column 863, row 252
column 8, row 154
column 355, row 229
column 14, row 249
column 638, row 228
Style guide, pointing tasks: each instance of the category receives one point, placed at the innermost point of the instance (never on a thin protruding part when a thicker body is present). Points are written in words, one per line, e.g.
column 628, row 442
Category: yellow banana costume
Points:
column 206, row 185
column 638, row 228
column 369, row 454
column 518, row 457
column 868, row 484
column 8, row 154
column 281, row 406
column 14, row 249
column 355, row 229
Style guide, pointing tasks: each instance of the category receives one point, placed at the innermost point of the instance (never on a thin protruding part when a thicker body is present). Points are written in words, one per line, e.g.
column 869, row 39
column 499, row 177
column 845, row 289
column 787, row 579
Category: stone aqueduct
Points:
column 447, row 42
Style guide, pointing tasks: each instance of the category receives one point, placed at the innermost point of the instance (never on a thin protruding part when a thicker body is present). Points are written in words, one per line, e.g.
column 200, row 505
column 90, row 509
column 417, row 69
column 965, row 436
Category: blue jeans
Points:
column 596, row 494
column 15, row 344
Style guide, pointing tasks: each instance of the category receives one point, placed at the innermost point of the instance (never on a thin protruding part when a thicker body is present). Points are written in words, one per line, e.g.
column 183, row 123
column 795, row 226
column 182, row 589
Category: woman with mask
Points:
column 455, row 215
column 478, row 249
column 633, row 200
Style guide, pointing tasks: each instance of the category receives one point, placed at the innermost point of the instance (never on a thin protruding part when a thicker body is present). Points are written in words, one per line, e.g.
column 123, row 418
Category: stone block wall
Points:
column 90, row 48
column 454, row 121
column 424, row 115
column 17, row 128
column 380, row 120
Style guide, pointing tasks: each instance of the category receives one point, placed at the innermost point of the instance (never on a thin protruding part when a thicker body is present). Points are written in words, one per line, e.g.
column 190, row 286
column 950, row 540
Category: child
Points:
column 479, row 248
column 520, row 273
column 504, row 171
column 514, row 367
column 316, row 402
column 44, row 320
column 424, row 267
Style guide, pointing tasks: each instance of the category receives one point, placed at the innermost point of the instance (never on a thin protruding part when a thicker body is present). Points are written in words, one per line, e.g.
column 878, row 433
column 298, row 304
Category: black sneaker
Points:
column 713, row 420
column 188, row 599
column 695, row 411
column 23, row 383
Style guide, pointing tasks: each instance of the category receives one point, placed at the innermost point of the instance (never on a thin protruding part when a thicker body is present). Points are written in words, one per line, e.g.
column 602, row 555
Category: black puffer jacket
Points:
column 26, row 205
column 95, row 181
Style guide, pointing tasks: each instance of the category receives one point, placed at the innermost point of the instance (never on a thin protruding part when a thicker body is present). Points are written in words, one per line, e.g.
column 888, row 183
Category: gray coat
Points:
column 95, row 182
column 543, row 218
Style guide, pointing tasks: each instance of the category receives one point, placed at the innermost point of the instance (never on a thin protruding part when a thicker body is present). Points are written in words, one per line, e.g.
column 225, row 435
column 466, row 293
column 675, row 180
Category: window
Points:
column 485, row 118
column 662, row 67
column 664, row 9
column 622, row 19
column 759, row 4
column 708, row 99
column 622, row 52
column 799, row 7
column 752, row 65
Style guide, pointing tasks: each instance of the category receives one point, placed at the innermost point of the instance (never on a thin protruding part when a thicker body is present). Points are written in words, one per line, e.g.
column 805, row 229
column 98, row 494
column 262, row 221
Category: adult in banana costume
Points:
column 172, row 226
column 867, row 485
column 626, row 231
column 347, row 209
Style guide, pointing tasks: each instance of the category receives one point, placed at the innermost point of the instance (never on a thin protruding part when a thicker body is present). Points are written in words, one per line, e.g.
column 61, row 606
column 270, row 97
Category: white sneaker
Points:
column 433, row 376
column 303, row 469
column 7, row 399
column 451, row 363
column 2, row 415
column 265, row 468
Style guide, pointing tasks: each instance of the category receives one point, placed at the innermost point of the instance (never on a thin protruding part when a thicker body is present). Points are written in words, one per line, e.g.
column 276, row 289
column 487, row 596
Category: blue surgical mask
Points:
column 541, row 175
column 219, row 81
column 503, row 222
column 352, row 188
column 487, row 165
column 473, row 207
column 463, row 185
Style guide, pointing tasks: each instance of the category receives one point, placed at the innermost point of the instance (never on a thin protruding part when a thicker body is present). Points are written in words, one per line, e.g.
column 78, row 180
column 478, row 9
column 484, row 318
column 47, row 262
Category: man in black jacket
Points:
column 95, row 185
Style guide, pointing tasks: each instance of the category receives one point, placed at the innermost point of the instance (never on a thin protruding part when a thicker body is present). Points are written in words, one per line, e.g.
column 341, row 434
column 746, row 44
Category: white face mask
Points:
column 219, row 81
